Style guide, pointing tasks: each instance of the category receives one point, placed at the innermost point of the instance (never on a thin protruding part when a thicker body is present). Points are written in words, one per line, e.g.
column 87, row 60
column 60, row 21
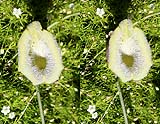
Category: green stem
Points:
column 40, row 105
column 22, row 113
column 149, row 16
column 100, row 119
column 122, row 102
column 67, row 17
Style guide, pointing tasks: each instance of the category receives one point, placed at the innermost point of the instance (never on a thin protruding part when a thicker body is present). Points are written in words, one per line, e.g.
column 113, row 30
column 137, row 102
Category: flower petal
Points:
column 39, row 55
column 129, row 51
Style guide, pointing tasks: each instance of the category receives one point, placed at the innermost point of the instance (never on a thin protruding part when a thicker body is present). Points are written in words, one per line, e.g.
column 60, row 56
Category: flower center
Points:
column 128, row 60
column 39, row 62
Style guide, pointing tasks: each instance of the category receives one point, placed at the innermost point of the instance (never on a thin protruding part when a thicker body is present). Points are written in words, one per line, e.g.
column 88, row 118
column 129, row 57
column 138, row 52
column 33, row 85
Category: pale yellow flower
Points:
column 39, row 57
column 129, row 52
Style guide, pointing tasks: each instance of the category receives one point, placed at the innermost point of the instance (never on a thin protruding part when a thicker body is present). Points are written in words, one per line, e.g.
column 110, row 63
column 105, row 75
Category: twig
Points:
column 108, row 107
column 67, row 17
column 154, row 14
column 22, row 113
column 97, row 54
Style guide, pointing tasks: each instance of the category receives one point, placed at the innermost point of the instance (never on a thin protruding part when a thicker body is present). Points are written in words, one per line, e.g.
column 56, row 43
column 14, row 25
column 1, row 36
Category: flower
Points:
column 85, row 51
column 71, row 6
column 11, row 115
column 152, row 6
column 94, row 115
column 17, row 12
column 100, row 12
column 157, row 88
column 129, row 54
column 5, row 110
column 91, row 109
column 1, row 51
column 39, row 57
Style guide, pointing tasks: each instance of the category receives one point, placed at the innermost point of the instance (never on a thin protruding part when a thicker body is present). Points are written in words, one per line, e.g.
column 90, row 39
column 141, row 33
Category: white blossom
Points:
column 85, row 51
column 94, row 115
column 100, row 12
column 1, row 51
column 11, row 115
column 71, row 6
column 5, row 110
column 17, row 12
column 157, row 88
column 91, row 109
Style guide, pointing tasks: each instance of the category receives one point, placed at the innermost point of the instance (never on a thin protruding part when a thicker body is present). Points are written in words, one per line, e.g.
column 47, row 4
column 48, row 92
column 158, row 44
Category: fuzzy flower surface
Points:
column 129, row 54
column 17, row 12
column 100, row 12
column 39, row 57
column 5, row 110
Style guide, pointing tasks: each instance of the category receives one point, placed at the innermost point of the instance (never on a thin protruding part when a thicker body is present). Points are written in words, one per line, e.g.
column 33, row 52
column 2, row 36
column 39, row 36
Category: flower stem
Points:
column 40, row 105
column 122, row 102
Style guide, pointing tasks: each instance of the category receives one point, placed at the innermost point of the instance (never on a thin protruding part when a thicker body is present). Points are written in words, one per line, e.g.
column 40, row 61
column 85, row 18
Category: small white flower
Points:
column 17, row 12
column 100, row 12
column 84, row 0
column 71, row 6
column 91, row 109
column 75, row 89
column 145, row 10
column 1, row 51
column 83, row 122
column 52, row 120
column 157, row 89
column 151, row 6
column 107, row 36
column 154, row 107
column 5, row 110
column 73, row 122
column 45, row 111
column 128, row 110
column 135, row 119
column 85, row 51
column 11, row 115
column 94, row 115
column 155, row 122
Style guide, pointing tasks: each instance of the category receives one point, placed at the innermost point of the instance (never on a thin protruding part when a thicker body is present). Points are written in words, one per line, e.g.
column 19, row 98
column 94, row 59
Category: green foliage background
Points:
column 86, row 79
